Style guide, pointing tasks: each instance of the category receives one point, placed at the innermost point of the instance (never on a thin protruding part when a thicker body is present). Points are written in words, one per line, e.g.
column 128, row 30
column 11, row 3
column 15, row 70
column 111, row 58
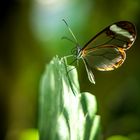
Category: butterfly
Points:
column 106, row 51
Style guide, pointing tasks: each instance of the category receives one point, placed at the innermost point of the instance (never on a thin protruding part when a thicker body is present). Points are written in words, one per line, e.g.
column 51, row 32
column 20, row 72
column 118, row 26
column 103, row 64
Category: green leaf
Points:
column 64, row 112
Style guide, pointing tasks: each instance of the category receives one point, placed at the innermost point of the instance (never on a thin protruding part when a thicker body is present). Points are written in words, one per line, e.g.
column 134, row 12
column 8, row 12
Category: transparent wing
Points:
column 104, row 58
column 121, row 34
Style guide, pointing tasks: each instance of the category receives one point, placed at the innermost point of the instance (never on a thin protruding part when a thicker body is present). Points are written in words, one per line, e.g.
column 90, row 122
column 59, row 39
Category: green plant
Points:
column 64, row 112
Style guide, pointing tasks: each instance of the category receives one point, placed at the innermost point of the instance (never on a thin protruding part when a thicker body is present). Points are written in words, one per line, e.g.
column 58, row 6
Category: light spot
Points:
column 123, row 32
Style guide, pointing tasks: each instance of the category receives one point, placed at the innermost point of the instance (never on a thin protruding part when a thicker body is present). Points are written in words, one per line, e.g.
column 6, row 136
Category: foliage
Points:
column 65, row 113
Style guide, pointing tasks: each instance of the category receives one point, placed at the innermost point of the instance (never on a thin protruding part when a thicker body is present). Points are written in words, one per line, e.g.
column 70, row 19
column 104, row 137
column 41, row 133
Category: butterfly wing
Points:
column 106, row 51
column 104, row 58
column 121, row 34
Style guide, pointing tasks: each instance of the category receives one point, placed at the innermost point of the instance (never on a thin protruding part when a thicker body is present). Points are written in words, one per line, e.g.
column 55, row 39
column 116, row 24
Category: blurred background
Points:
column 30, row 35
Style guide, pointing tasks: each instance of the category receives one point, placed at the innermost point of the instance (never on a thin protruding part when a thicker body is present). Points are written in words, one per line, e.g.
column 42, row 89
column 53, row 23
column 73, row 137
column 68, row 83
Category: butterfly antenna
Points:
column 70, row 31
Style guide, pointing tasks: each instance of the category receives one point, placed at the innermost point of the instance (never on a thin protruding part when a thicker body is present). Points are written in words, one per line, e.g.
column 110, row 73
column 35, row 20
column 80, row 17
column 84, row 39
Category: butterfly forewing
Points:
column 121, row 34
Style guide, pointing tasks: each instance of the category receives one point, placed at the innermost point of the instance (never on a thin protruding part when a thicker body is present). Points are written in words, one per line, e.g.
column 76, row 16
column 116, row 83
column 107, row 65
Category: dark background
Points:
column 30, row 35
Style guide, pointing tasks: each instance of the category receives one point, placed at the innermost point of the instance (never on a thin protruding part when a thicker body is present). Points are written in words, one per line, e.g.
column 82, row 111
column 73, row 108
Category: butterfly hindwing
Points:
column 105, row 58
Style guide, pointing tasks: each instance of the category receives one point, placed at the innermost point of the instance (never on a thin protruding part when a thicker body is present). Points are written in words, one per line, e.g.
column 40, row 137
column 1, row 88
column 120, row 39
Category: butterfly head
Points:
column 77, row 52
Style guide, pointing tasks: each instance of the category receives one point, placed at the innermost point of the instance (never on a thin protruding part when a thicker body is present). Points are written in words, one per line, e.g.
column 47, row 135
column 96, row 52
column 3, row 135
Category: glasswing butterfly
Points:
column 106, row 51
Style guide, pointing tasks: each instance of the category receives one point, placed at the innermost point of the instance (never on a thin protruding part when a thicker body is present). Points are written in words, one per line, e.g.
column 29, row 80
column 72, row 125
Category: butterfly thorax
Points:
column 78, row 52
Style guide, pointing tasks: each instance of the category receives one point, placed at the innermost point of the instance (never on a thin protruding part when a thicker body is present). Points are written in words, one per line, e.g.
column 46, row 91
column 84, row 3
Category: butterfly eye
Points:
column 74, row 51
